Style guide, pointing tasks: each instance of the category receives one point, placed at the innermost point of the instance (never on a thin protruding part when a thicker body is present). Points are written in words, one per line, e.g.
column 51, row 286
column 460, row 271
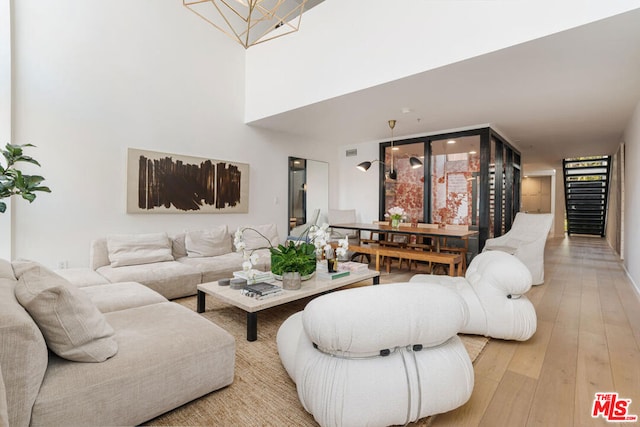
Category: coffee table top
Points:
column 309, row 287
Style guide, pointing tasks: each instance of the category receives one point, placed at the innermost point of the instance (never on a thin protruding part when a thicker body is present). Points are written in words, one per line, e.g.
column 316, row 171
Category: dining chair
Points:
column 342, row 216
column 425, row 243
column 462, row 250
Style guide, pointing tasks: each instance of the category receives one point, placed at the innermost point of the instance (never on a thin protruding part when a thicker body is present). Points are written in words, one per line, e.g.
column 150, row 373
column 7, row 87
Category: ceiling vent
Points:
column 352, row 152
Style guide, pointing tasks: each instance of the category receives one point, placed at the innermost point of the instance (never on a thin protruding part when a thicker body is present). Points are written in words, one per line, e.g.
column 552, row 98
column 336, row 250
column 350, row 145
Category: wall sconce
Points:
column 364, row 166
column 415, row 162
column 393, row 174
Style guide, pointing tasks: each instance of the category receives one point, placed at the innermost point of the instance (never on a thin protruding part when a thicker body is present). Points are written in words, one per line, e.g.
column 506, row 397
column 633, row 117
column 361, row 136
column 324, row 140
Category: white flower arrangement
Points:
column 396, row 213
column 319, row 236
column 343, row 248
column 292, row 256
column 250, row 258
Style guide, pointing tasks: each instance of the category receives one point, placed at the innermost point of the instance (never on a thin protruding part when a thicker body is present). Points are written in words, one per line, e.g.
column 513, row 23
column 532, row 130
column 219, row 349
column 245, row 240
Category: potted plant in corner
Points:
column 13, row 181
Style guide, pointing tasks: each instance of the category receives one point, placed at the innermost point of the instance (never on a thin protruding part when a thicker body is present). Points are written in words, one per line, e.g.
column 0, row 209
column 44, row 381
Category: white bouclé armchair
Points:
column 378, row 355
column 494, row 290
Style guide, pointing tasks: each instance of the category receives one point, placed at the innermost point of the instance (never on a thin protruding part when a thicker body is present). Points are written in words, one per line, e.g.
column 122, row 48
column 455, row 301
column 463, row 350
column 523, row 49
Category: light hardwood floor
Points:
column 587, row 341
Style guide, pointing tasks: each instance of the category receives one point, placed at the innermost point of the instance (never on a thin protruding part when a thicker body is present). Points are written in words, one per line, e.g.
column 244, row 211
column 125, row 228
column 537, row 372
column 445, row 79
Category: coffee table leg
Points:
column 252, row 326
column 376, row 280
column 200, row 301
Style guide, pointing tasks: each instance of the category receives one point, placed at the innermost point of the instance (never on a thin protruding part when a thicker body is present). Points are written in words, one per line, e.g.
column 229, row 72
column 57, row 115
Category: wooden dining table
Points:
column 435, row 233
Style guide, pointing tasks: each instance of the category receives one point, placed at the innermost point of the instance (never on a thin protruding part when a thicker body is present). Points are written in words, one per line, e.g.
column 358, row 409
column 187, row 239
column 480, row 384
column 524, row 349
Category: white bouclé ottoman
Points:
column 378, row 355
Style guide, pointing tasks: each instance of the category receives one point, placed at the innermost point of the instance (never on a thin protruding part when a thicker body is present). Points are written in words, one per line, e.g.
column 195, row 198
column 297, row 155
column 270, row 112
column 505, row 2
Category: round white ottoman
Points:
column 378, row 355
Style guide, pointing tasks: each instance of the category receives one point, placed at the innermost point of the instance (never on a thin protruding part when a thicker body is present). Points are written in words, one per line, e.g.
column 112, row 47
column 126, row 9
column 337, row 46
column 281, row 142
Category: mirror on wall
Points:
column 308, row 190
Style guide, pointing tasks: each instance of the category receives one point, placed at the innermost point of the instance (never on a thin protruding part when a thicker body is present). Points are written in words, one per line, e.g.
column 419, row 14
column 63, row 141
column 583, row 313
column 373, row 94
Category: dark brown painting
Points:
column 171, row 183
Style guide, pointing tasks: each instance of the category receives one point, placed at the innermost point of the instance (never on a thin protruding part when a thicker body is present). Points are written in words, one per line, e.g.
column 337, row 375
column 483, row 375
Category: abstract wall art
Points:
column 172, row 183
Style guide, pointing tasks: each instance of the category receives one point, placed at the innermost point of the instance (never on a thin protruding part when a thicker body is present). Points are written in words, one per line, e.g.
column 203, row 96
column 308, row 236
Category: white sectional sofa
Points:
column 173, row 265
column 106, row 354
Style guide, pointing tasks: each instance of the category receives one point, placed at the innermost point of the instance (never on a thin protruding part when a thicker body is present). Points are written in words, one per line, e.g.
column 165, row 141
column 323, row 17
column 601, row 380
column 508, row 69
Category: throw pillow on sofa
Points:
column 135, row 249
column 205, row 243
column 71, row 324
column 260, row 236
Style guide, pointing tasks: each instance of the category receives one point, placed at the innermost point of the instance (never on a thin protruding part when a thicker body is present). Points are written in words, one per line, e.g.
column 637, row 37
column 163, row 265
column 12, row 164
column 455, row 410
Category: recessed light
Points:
column 451, row 141
column 472, row 152
column 395, row 148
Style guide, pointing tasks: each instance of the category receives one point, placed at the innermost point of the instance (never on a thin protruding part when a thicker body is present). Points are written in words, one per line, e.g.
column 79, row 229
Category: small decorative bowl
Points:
column 238, row 283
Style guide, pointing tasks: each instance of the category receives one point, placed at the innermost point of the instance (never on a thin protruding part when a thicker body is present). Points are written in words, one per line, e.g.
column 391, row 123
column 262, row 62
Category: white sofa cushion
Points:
column 72, row 325
column 260, row 236
column 121, row 296
column 169, row 355
column 402, row 314
column 23, row 354
column 206, row 243
column 135, row 249
column 81, row 277
column 170, row 279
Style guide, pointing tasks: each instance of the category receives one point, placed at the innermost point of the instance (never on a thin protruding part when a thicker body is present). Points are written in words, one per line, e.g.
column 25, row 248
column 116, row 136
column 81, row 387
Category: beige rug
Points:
column 262, row 393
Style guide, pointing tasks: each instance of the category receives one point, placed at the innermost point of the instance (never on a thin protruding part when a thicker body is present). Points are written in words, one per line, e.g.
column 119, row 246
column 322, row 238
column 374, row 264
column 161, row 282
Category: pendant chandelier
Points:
column 250, row 22
column 393, row 173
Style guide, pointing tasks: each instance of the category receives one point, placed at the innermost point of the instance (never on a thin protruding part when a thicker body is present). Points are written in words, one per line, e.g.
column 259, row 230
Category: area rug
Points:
column 262, row 394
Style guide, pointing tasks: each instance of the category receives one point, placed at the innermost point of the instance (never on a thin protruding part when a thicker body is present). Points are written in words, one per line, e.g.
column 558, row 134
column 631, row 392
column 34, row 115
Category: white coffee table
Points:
column 252, row 306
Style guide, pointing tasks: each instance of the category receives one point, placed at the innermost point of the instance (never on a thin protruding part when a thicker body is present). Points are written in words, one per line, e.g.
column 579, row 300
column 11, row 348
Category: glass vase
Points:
column 395, row 223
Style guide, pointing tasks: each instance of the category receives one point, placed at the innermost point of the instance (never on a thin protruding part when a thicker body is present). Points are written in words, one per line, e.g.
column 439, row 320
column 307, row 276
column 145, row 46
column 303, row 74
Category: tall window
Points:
column 455, row 167
column 407, row 189
column 470, row 177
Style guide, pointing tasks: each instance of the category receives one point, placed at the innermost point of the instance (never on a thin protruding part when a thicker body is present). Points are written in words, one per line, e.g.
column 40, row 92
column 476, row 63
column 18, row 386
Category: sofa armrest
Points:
column 99, row 253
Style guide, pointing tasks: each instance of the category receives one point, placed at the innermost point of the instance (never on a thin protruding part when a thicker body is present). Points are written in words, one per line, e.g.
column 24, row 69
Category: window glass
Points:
column 407, row 189
column 455, row 167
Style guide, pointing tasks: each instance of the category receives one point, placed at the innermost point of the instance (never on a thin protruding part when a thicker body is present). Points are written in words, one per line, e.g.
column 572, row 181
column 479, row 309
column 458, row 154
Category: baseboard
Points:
column 633, row 283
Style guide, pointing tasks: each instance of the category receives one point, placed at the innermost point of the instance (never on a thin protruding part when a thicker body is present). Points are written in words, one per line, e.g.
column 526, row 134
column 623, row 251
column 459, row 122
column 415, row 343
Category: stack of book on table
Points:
column 262, row 290
column 352, row 266
column 254, row 276
column 322, row 273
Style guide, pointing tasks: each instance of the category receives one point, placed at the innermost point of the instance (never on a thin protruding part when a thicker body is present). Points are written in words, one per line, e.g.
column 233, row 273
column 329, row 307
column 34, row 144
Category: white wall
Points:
column 94, row 78
column 359, row 190
column 631, row 229
column 348, row 45
column 5, row 117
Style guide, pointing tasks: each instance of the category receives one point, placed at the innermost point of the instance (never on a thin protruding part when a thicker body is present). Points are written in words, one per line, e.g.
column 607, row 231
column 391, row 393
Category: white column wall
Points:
column 6, row 239
column 631, row 229
column 95, row 78
column 349, row 45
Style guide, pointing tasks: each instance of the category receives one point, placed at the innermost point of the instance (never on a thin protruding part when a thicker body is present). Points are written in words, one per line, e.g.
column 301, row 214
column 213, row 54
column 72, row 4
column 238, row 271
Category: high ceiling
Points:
column 568, row 94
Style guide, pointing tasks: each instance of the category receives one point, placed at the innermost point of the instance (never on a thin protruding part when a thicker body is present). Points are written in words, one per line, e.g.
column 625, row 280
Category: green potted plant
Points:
column 13, row 181
column 293, row 257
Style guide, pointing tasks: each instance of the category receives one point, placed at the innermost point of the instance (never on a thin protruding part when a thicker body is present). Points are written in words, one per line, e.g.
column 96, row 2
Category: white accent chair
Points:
column 342, row 216
column 378, row 355
column 302, row 231
column 526, row 241
column 493, row 289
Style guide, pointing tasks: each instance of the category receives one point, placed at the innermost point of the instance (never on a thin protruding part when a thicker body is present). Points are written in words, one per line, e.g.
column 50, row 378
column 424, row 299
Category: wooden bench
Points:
column 450, row 259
